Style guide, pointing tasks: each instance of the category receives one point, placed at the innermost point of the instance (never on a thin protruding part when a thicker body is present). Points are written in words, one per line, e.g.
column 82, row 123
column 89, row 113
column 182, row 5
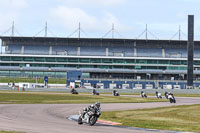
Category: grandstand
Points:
column 98, row 58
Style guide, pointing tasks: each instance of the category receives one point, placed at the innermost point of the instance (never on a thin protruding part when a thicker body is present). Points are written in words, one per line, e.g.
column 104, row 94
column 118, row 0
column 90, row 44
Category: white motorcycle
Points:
column 143, row 95
column 158, row 95
column 171, row 98
column 90, row 117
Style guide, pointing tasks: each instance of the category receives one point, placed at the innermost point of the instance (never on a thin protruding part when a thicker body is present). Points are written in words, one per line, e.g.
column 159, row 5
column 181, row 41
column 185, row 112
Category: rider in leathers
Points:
column 95, row 106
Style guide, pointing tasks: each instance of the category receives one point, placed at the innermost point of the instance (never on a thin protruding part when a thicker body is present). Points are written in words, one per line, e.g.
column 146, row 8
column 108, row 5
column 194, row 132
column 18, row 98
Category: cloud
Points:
column 9, row 11
column 70, row 17
column 93, row 2
column 13, row 4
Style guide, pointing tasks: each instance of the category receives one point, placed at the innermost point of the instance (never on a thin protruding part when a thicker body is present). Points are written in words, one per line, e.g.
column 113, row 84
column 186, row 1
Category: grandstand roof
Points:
column 62, row 39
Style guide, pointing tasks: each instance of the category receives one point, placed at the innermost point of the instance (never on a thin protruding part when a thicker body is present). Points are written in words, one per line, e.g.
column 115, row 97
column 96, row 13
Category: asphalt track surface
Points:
column 51, row 118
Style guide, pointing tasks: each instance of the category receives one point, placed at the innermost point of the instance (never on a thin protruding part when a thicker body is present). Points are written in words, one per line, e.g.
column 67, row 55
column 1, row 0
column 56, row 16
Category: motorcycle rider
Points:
column 166, row 94
column 95, row 106
column 73, row 91
column 94, row 92
column 143, row 94
column 171, row 96
column 158, row 95
column 115, row 93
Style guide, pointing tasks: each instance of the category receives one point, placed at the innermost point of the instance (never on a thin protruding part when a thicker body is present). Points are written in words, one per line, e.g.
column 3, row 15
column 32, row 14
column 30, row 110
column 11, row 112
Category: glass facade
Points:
column 32, row 74
column 104, row 63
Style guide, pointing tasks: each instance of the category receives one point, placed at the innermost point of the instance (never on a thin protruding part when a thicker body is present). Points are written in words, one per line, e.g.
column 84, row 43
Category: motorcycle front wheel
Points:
column 171, row 100
column 80, row 120
column 92, row 120
column 174, row 101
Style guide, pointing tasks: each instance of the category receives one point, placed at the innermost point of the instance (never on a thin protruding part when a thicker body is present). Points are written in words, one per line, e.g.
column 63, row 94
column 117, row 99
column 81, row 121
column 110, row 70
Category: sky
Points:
column 96, row 18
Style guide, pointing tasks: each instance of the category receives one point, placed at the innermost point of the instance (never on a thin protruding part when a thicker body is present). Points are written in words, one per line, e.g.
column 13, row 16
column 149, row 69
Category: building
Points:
column 98, row 58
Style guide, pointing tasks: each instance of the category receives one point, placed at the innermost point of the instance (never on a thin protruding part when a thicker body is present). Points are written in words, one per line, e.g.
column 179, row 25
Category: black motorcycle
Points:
column 94, row 92
column 115, row 93
column 90, row 117
column 73, row 91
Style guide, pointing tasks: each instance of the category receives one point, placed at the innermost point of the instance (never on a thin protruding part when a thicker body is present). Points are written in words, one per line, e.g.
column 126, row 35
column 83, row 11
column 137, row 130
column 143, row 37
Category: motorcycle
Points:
column 73, row 91
column 90, row 117
column 115, row 93
column 171, row 99
column 95, row 92
column 166, row 95
column 158, row 95
column 143, row 95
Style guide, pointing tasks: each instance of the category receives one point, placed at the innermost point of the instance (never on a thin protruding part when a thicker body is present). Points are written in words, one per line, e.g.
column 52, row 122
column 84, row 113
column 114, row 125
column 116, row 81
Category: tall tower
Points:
column 190, row 51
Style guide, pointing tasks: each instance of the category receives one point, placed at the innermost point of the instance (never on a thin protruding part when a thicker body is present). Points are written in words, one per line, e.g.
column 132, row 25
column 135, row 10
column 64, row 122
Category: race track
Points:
column 51, row 118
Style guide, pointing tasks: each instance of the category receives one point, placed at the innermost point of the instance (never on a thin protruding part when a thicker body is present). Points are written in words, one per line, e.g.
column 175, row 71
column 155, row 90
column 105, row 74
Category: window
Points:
column 5, row 58
column 39, row 59
column 61, row 59
column 130, row 61
column 50, row 59
column 175, row 62
column 28, row 59
column 95, row 60
column 118, row 61
column 16, row 58
column 163, row 62
column 139, row 61
column 73, row 60
column 107, row 60
column 84, row 60
column 152, row 62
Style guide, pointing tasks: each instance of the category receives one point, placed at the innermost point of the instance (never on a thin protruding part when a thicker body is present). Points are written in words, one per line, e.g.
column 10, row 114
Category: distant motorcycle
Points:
column 115, row 93
column 73, row 91
column 166, row 95
column 171, row 98
column 90, row 117
column 94, row 92
column 158, row 95
column 143, row 94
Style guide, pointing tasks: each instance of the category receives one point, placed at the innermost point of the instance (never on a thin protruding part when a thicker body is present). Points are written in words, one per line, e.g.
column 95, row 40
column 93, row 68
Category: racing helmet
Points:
column 97, row 104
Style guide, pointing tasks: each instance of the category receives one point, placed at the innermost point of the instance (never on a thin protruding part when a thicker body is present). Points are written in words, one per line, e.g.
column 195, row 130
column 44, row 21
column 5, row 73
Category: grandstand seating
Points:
column 91, row 51
column 64, row 50
column 176, row 53
column 101, row 51
column 34, row 49
column 197, row 52
column 121, row 51
column 14, row 49
column 149, row 52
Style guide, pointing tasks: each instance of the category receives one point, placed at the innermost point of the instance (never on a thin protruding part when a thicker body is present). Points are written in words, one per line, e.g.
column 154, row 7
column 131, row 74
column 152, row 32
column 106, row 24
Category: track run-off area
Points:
column 52, row 118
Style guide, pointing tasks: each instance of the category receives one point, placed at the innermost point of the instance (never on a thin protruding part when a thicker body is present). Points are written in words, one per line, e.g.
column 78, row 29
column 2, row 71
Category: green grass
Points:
column 10, row 132
column 48, row 98
column 32, row 80
column 176, row 118
column 187, row 95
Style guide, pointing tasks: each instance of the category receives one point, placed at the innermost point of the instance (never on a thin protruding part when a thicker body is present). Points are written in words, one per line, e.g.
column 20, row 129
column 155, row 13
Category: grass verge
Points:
column 48, row 98
column 10, row 132
column 176, row 118
column 33, row 80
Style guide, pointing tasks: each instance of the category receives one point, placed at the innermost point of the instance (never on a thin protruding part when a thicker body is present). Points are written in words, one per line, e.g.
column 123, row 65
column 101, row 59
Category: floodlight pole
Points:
column 179, row 31
column 113, row 29
column 146, row 32
column 79, row 30
column 13, row 28
column 45, row 29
